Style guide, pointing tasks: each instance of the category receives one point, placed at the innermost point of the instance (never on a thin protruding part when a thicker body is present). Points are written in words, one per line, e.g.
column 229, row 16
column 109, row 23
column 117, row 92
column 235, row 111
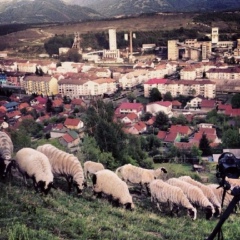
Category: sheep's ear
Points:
column 164, row 170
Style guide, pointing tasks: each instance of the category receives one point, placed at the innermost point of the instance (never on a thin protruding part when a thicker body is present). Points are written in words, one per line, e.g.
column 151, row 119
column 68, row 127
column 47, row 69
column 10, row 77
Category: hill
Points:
column 116, row 8
column 26, row 11
column 27, row 215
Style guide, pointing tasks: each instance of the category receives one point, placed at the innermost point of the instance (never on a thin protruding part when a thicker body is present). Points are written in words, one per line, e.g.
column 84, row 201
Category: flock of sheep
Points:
column 47, row 162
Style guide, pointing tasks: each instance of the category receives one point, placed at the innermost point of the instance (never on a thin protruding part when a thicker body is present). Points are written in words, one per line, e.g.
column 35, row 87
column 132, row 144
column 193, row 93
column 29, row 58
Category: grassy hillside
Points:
column 27, row 215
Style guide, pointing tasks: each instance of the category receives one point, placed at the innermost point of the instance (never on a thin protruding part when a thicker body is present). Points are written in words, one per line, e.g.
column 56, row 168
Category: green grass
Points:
column 26, row 215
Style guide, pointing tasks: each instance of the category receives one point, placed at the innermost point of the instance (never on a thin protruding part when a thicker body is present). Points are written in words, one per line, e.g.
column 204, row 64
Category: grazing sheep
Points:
column 206, row 191
column 162, row 192
column 107, row 182
column 6, row 151
column 66, row 165
column 218, row 191
column 35, row 165
column 195, row 195
column 91, row 167
column 138, row 175
column 233, row 181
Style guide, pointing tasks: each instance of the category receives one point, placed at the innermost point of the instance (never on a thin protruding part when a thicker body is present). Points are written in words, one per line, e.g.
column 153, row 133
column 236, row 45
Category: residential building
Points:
column 161, row 106
column 172, row 50
column 42, row 85
column 77, row 87
column 74, row 124
column 204, row 88
column 126, row 108
column 215, row 35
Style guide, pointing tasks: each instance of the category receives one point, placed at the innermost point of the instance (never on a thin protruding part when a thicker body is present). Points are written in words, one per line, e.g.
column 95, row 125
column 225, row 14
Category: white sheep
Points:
column 65, row 165
column 195, row 195
column 91, row 167
column 138, row 175
column 35, row 165
column 206, row 191
column 6, row 151
column 163, row 192
column 107, row 182
column 234, row 182
column 218, row 191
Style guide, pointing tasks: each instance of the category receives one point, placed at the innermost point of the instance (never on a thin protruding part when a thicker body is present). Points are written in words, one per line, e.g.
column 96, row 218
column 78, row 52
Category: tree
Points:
column 161, row 120
column 231, row 138
column 49, row 105
column 204, row 146
column 20, row 139
column 168, row 96
column 155, row 95
column 235, row 101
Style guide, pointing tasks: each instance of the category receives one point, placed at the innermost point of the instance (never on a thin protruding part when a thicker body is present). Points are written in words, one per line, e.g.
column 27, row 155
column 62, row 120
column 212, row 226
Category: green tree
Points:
column 31, row 127
column 155, row 95
column 181, row 119
column 235, row 101
column 231, row 138
column 168, row 96
column 20, row 139
column 49, row 105
column 131, row 97
column 204, row 146
column 161, row 120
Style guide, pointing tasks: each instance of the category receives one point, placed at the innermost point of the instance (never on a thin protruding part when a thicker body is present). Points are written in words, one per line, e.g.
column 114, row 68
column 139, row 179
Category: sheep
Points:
column 206, row 191
column 107, row 182
column 6, row 151
column 195, row 195
column 138, row 175
column 218, row 191
column 91, row 167
column 163, row 192
column 35, row 165
column 66, row 165
column 233, row 182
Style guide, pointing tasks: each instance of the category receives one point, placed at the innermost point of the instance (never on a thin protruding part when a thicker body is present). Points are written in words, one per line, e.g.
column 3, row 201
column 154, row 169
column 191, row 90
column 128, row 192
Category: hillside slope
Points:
column 26, row 11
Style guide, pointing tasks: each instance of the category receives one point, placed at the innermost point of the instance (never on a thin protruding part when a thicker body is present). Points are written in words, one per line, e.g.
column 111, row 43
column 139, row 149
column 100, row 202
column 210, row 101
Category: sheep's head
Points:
column 160, row 171
column 217, row 211
column 192, row 212
column 129, row 206
column 209, row 212
column 80, row 186
column 44, row 187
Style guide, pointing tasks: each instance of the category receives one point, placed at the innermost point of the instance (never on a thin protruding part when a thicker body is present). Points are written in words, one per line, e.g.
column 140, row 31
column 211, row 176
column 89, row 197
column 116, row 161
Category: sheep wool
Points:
column 6, row 151
column 162, row 192
column 107, row 182
column 91, row 167
column 64, row 164
column 206, row 191
column 219, row 194
column 195, row 195
column 35, row 165
column 138, row 175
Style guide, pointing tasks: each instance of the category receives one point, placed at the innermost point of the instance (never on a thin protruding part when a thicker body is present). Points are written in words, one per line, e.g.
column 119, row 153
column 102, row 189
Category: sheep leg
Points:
column 70, row 183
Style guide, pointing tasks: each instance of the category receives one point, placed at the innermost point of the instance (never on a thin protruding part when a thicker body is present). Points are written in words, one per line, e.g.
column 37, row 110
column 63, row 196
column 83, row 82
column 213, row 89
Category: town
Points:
column 192, row 81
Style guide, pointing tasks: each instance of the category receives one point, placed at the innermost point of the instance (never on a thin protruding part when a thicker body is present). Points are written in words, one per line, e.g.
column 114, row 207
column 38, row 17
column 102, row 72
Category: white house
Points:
column 160, row 106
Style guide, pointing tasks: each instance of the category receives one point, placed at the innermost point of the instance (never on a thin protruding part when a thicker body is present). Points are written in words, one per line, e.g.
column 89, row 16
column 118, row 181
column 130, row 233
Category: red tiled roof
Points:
column 68, row 138
column 180, row 129
column 161, row 135
column 170, row 137
column 72, row 122
column 176, row 103
column 137, row 106
column 132, row 116
column 140, row 126
column 156, row 81
column 207, row 130
column 208, row 103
